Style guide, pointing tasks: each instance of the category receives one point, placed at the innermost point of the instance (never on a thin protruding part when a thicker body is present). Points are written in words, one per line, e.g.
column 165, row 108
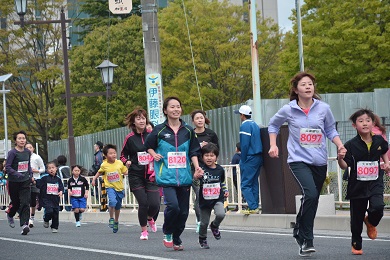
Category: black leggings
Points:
column 148, row 204
column 20, row 196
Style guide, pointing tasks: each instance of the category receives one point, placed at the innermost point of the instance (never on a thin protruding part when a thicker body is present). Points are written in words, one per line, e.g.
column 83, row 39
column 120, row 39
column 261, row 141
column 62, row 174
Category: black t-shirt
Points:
column 210, row 178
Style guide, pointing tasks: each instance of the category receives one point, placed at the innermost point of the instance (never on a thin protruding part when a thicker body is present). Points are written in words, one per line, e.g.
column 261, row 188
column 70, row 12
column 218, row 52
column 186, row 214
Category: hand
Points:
column 60, row 194
column 157, row 157
column 198, row 173
column 86, row 194
column 93, row 182
column 70, row 192
column 128, row 163
column 386, row 168
column 341, row 151
column 226, row 194
column 273, row 151
column 203, row 143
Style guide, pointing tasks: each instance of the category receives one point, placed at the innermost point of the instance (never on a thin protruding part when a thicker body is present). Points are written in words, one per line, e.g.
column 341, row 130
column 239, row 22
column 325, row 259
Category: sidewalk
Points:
column 340, row 221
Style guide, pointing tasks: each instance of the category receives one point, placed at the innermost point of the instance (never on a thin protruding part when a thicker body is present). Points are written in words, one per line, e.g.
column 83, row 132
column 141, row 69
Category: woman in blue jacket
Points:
column 173, row 145
column 310, row 122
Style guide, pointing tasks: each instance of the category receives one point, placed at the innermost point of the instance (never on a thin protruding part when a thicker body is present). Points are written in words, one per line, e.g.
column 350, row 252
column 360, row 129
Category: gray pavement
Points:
column 340, row 221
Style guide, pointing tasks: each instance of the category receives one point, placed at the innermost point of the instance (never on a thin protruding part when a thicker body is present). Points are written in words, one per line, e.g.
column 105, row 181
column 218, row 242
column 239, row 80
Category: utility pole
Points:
column 153, row 78
column 257, row 114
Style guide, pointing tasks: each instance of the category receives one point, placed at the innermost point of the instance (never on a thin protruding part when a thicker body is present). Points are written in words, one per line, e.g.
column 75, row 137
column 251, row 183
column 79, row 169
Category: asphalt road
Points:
column 96, row 241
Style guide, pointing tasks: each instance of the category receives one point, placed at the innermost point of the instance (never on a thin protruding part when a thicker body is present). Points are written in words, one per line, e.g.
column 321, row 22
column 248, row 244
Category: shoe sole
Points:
column 178, row 248
column 168, row 244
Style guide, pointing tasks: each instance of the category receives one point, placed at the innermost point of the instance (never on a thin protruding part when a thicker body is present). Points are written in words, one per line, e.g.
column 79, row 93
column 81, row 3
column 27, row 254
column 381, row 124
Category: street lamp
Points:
column 3, row 79
column 107, row 71
column 21, row 9
column 21, row 6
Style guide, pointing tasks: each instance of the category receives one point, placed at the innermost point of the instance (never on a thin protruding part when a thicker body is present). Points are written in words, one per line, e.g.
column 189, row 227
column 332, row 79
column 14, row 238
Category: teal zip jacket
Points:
column 163, row 140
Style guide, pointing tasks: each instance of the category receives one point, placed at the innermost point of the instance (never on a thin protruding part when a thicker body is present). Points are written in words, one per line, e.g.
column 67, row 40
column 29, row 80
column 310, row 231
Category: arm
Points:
column 198, row 171
column 41, row 165
column 125, row 154
column 273, row 150
column 97, row 175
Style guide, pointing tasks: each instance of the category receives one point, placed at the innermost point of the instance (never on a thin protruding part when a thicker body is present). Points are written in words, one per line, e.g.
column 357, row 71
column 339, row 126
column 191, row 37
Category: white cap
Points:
column 245, row 110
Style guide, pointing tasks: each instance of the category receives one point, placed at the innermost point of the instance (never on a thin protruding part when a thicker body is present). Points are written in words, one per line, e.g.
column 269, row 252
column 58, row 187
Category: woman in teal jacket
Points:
column 173, row 145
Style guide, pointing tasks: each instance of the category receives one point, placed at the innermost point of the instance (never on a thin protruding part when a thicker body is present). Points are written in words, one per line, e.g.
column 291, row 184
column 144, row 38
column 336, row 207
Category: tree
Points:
column 345, row 44
column 221, row 48
column 122, row 44
column 98, row 15
column 33, row 55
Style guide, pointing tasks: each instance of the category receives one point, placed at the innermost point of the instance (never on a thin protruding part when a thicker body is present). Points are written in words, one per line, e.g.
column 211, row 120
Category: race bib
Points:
column 52, row 189
column 23, row 166
column 144, row 158
column 367, row 171
column 113, row 177
column 177, row 160
column 76, row 191
column 211, row 191
column 310, row 138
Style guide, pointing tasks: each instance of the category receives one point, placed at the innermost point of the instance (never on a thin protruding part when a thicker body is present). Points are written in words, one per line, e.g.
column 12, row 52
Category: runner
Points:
column 310, row 121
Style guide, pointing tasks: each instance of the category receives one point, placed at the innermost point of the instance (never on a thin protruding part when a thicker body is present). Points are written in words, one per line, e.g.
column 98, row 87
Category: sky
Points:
column 284, row 12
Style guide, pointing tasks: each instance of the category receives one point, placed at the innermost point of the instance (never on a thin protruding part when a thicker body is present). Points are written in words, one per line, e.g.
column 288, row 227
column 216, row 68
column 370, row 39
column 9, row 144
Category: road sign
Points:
column 120, row 6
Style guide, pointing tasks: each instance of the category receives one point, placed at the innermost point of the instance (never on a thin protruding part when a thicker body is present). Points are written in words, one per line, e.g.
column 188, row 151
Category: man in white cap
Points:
column 251, row 159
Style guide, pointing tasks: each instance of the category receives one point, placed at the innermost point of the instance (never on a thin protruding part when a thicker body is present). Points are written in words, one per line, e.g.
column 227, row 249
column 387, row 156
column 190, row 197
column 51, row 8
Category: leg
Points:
column 304, row 175
column 204, row 222
column 249, row 175
column 24, row 198
column 141, row 196
column 55, row 218
column 171, row 211
column 375, row 209
column 196, row 187
column 219, row 212
column 183, row 197
column 13, row 189
column 357, row 210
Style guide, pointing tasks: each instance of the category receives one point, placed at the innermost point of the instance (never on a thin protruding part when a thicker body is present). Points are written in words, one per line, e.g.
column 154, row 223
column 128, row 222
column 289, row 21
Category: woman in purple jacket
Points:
column 310, row 121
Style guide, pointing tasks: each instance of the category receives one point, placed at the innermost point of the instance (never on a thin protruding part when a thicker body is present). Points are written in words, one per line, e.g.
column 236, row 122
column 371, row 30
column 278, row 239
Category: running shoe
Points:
column 304, row 254
column 45, row 224
column 144, row 235
column 54, row 230
column 203, row 243
column 31, row 222
column 371, row 230
column 115, row 227
column 178, row 247
column 25, row 230
column 307, row 246
column 357, row 248
column 215, row 232
column 11, row 221
column 168, row 241
column 78, row 224
column 111, row 223
column 152, row 225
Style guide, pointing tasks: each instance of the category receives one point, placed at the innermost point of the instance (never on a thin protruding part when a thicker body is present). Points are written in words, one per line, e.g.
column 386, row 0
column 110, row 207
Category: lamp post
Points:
column 21, row 9
column 107, row 71
column 4, row 91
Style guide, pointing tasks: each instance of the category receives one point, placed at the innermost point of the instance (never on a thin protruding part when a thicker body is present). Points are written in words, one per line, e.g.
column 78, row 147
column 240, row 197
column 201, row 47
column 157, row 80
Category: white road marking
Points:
column 85, row 249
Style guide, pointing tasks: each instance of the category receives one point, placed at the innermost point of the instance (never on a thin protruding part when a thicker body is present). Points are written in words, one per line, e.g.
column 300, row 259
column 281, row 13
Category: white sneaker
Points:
column 78, row 224
column 54, row 230
column 31, row 222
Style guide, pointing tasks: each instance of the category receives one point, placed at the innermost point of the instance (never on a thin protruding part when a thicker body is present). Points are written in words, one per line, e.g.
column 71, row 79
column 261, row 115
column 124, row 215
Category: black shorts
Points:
column 136, row 181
